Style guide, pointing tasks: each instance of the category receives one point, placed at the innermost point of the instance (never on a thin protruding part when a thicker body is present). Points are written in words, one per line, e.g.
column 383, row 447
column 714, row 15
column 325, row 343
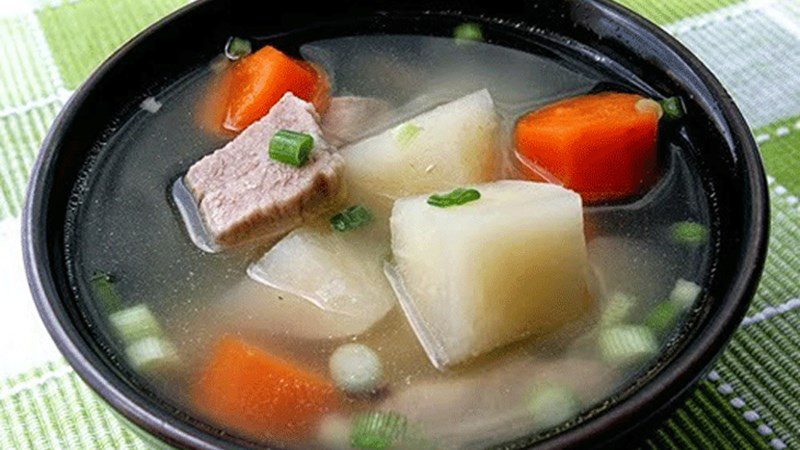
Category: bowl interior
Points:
column 593, row 32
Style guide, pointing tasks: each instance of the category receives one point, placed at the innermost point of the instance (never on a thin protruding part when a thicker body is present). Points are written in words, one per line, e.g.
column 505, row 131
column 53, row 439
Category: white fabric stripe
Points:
column 753, row 56
column 41, row 4
column 705, row 20
column 780, row 192
column 43, row 50
column 15, row 8
column 749, row 415
column 60, row 97
column 34, row 382
column 772, row 311
column 777, row 12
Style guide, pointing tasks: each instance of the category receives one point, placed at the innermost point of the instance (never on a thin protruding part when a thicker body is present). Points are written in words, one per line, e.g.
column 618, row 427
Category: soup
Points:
column 391, row 241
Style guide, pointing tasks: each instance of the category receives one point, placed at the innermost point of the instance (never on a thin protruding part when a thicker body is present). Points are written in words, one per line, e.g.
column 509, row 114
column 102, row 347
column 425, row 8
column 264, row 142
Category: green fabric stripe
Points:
column 80, row 41
column 59, row 412
column 780, row 153
column 689, row 426
column 666, row 11
column 20, row 137
column 672, row 435
column 759, row 387
column 781, row 279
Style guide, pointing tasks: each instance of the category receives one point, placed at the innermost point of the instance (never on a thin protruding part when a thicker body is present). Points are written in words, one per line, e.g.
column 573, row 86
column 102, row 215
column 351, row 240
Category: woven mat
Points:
column 750, row 400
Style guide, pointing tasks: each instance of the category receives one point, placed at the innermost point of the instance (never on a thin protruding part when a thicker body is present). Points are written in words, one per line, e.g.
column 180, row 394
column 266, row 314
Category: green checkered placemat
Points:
column 750, row 400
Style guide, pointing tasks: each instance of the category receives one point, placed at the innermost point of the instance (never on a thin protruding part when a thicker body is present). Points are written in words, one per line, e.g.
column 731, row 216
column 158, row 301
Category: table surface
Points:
column 750, row 400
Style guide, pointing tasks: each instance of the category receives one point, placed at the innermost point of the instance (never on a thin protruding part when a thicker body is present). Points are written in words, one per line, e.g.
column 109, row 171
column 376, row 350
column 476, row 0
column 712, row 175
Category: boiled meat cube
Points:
column 475, row 277
column 450, row 145
column 242, row 194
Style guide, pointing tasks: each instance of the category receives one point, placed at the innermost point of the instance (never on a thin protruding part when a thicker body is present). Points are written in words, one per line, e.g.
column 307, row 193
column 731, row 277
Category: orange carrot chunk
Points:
column 255, row 83
column 602, row 146
column 248, row 389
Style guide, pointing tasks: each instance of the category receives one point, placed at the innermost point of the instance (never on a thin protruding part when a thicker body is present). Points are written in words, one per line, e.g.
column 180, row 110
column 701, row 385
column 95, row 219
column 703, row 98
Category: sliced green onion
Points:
column 551, row 406
column 378, row 430
column 689, row 233
column 406, row 133
column 104, row 289
column 663, row 317
column 237, row 48
column 618, row 308
column 673, row 108
column 351, row 218
column 135, row 323
column 626, row 345
column 469, row 31
column 456, row 197
column 152, row 354
column 685, row 293
column 291, row 147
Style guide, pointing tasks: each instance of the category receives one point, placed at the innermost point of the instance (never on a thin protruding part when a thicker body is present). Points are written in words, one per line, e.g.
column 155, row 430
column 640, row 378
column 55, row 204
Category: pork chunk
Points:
column 244, row 195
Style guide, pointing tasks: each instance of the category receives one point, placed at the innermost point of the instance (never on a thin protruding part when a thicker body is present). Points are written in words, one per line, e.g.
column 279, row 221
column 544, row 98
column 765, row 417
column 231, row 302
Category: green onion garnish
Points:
column 351, row 218
column 135, row 323
column 378, row 430
column 468, row 32
column 689, row 233
column 456, row 197
column 685, row 293
column 673, row 108
column 551, row 406
column 152, row 354
column 626, row 345
column 618, row 308
column 406, row 133
column 663, row 317
column 237, row 48
column 104, row 289
column 291, row 147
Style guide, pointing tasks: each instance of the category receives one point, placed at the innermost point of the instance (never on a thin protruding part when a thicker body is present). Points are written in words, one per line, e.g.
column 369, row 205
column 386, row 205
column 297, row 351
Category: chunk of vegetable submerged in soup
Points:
column 392, row 246
column 510, row 264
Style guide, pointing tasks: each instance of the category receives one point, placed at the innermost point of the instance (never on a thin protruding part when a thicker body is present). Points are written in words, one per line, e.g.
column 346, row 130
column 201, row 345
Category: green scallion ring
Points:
column 104, row 288
column 469, row 31
column 456, row 197
column 689, row 233
column 291, row 147
column 351, row 218
column 378, row 430
column 237, row 48
column 673, row 108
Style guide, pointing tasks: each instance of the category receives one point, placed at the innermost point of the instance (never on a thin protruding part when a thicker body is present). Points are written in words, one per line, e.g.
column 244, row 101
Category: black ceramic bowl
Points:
column 583, row 29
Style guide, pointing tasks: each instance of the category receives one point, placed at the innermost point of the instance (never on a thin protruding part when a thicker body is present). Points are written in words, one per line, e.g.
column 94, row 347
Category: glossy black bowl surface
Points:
column 596, row 31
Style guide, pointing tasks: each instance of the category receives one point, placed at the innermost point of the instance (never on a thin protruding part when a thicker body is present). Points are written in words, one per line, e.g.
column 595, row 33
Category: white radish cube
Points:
column 451, row 145
column 478, row 276
column 339, row 272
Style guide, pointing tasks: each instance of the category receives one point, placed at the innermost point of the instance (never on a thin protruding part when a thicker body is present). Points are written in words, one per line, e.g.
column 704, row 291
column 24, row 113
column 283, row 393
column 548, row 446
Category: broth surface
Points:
column 127, row 225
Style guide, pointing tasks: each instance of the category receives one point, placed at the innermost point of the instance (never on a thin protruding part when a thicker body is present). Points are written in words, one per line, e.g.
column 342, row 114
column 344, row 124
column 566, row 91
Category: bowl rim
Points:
column 655, row 398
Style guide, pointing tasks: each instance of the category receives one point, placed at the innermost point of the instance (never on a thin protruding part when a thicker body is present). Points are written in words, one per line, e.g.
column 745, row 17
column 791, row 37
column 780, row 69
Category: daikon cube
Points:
column 475, row 277
column 453, row 144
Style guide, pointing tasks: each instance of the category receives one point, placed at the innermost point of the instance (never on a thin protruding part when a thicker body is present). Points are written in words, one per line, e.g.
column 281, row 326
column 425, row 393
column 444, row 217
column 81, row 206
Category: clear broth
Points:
column 126, row 223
